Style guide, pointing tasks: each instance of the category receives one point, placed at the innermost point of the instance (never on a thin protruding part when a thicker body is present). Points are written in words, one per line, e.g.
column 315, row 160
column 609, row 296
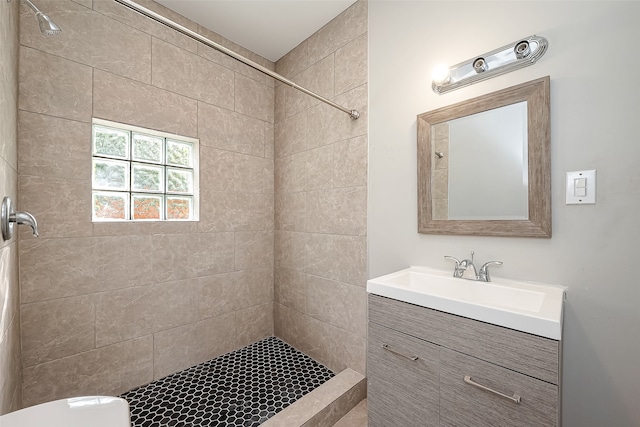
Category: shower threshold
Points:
column 243, row 388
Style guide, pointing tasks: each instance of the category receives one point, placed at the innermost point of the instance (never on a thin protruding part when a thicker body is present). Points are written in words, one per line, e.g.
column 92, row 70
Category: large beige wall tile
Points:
column 227, row 130
column 330, row 125
column 216, row 211
column 351, row 64
column 9, row 187
column 9, row 288
column 185, row 346
column 188, row 74
column 56, row 268
column 253, row 249
column 294, row 62
column 340, row 258
column 57, row 328
column 291, row 135
column 9, row 58
column 253, row 324
column 350, row 162
column 341, row 30
column 440, row 209
column 254, row 99
column 290, row 212
column 216, row 169
column 319, row 168
column 62, row 206
column 165, row 11
column 10, row 380
column 133, row 19
column 318, row 78
column 85, row 3
column 253, row 174
column 280, row 100
column 53, row 147
column 129, row 313
column 269, row 140
column 145, row 279
column 90, row 38
column 253, row 287
column 217, row 294
column 54, row 86
column 110, row 370
column 335, row 348
column 339, row 304
column 290, row 249
column 231, row 63
column 321, row 198
column 253, row 211
column 291, row 173
column 137, row 228
column 10, row 353
column 337, row 211
column 440, row 183
column 292, row 327
column 182, row 256
column 127, row 101
column 290, row 289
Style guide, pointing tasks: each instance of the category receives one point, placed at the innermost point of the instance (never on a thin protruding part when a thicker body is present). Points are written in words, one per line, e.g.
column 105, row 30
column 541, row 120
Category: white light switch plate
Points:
column 574, row 187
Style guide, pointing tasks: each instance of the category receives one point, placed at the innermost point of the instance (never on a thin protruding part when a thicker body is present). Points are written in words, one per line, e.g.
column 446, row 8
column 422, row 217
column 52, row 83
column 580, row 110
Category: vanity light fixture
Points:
column 522, row 53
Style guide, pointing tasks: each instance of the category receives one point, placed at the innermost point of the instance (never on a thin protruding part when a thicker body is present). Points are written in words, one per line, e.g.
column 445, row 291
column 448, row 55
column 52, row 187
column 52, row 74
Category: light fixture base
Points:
column 519, row 54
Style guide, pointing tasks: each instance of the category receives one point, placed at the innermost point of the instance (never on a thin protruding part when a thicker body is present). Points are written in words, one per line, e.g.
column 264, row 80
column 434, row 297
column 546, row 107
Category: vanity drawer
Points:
column 466, row 405
column 401, row 391
column 525, row 353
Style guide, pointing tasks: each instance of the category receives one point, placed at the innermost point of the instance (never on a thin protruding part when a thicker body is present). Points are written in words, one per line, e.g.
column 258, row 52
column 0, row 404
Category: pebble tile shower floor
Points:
column 242, row 388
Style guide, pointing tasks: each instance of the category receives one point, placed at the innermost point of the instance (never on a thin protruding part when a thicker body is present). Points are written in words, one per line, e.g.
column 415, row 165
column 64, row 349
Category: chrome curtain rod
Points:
column 354, row 114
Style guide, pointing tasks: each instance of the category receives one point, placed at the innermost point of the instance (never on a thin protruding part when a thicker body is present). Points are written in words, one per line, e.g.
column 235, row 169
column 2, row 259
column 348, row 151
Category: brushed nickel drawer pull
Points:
column 515, row 398
column 386, row 347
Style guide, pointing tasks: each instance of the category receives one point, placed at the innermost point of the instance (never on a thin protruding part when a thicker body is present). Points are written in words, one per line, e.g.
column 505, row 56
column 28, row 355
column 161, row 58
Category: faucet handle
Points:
column 484, row 270
column 460, row 267
column 457, row 261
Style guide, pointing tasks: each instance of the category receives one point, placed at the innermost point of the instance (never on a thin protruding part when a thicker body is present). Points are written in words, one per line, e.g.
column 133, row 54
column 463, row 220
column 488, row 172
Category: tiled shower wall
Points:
column 9, row 292
column 110, row 306
column 321, row 195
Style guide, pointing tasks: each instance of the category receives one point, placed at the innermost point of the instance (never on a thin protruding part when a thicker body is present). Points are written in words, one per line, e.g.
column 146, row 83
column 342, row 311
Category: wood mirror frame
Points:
column 536, row 94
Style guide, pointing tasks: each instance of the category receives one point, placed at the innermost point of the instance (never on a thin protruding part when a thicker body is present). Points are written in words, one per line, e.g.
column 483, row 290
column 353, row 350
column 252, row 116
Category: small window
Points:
column 142, row 175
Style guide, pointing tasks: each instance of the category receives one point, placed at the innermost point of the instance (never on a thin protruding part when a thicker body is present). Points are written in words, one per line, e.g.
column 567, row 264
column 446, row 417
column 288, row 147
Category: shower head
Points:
column 47, row 26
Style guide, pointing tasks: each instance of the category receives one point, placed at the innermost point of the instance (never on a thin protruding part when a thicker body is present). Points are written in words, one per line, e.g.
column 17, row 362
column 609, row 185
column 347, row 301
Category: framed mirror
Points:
column 484, row 165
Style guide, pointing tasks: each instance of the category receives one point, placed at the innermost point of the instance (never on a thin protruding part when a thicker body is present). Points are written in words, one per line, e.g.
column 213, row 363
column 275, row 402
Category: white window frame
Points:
column 151, row 132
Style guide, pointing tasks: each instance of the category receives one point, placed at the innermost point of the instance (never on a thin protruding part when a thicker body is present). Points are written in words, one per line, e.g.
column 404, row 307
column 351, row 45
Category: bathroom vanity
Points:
column 431, row 367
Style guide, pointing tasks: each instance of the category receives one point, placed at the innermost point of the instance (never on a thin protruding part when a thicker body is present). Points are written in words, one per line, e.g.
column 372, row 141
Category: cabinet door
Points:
column 403, row 379
column 467, row 405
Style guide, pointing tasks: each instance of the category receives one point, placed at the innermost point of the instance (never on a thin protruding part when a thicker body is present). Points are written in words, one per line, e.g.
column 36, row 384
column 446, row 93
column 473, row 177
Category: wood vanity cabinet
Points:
column 418, row 358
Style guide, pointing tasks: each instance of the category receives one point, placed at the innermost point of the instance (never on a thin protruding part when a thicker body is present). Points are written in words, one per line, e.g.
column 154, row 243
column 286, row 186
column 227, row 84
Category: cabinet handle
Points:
column 515, row 398
column 386, row 347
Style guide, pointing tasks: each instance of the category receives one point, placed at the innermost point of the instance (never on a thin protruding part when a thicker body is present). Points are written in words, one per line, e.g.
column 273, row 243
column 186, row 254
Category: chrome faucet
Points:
column 26, row 218
column 465, row 269
column 9, row 217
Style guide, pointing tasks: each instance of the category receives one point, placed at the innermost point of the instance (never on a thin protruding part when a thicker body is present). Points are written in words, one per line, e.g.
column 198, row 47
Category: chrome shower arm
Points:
column 25, row 218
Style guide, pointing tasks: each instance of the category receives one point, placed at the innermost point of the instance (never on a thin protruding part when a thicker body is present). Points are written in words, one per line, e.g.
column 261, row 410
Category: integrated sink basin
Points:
column 526, row 307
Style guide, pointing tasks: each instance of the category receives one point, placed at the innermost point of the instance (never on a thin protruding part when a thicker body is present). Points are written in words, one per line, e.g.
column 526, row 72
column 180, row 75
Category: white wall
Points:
column 594, row 117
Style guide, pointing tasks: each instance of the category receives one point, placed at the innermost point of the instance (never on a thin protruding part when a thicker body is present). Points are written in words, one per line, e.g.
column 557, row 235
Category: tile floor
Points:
column 241, row 388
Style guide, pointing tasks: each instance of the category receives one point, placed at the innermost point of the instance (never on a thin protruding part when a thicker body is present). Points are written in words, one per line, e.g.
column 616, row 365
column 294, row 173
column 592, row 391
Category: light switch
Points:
column 579, row 191
column 581, row 187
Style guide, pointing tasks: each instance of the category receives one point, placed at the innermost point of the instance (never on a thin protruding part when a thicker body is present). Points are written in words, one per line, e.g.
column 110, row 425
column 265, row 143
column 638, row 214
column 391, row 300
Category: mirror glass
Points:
column 490, row 146
column 484, row 165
